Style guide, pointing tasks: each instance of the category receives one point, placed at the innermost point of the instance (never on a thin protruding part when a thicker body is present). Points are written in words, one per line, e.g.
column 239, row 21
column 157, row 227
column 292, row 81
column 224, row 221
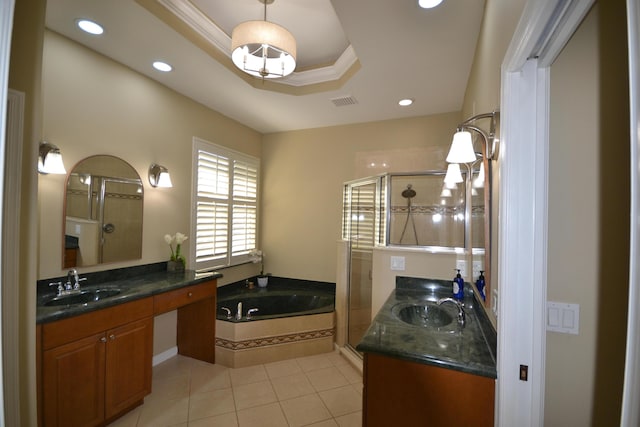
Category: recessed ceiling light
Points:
column 162, row 66
column 428, row 4
column 90, row 27
column 405, row 102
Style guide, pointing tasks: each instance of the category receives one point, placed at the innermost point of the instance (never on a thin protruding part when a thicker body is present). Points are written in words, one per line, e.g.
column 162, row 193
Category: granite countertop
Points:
column 470, row 349
column 132, row 287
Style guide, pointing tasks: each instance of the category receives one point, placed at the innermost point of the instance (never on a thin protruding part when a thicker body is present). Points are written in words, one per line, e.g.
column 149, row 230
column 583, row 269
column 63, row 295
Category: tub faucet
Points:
column 239, row 312
column 461, row 314
column 226, row 310
column 250, row 312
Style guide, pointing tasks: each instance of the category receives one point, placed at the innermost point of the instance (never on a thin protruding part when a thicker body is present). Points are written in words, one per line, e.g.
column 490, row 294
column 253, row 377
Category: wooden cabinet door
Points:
column 128, row 365
column 402, row 393
column 73, row 383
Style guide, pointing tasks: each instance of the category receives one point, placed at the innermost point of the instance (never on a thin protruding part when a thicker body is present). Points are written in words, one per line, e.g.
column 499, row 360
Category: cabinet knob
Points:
column 112, row 337
column 190, row 294
column 103, row 339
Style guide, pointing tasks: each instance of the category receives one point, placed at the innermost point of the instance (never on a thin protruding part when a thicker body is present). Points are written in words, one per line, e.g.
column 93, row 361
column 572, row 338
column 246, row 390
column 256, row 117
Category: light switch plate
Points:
column 494, row 302
column 397, row 263
column 563, row 317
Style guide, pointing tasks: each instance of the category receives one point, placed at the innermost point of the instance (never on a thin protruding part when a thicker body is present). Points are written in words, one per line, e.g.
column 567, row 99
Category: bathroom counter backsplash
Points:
column 133, row 282
column 471, row 349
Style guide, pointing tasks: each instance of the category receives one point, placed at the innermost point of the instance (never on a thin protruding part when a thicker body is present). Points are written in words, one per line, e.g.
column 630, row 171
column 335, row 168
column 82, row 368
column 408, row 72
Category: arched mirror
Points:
column 103, row 213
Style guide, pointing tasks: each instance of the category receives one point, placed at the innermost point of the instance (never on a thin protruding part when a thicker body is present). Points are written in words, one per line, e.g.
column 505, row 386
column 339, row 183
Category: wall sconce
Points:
column 462, row 146
column 453, row 175
column 159, row 176
column 50, row 159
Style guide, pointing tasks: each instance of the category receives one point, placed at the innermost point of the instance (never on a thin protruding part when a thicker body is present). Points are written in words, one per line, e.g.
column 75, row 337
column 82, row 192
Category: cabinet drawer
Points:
column 184, row 296
column 74, row 328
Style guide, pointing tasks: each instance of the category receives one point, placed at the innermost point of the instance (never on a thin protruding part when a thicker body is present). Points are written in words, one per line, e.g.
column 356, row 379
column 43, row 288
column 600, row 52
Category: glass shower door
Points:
column 360, row 227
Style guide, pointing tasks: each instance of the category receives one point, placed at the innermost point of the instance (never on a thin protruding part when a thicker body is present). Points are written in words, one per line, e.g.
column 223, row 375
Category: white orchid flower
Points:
column 168, row 238
column 180, row 238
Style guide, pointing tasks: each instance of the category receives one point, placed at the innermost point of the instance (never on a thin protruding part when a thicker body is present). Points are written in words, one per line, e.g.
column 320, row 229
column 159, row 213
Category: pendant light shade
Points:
column 461, row 148
column 453, row 174
column 263, row 49
column 479, row 181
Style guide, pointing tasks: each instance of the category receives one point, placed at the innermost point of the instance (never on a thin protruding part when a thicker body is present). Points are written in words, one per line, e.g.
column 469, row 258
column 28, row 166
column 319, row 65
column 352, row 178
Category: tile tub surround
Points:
column 134, row 282
column 274, row 338
column 470, row 350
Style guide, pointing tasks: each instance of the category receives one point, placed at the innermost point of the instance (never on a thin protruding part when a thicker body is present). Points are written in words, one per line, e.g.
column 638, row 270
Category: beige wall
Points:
column 589, row 221
column 93, row 105
column 573, row 220
column 25, row 76
column 303, row 175
column 483, row 88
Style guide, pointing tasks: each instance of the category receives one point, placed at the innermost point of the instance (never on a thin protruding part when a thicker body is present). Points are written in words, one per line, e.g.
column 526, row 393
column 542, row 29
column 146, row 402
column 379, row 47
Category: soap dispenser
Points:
column 480, row 285
column 458, row 286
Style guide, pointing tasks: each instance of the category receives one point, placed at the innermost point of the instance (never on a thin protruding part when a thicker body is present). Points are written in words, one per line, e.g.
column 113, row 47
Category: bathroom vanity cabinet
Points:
column 400, row 392
column 96, row 365
column 426, row 368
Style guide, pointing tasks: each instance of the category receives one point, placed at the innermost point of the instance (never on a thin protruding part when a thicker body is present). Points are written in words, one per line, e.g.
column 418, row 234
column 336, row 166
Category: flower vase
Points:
column 175, row 266
column 263, row 281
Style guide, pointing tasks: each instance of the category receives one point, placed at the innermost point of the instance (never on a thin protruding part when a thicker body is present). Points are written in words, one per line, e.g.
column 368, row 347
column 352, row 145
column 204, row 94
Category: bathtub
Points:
column 294, row 318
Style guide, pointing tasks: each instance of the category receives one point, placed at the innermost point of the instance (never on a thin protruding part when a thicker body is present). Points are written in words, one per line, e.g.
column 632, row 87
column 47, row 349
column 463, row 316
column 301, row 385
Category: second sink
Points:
column 83, row 297
column 424, row 315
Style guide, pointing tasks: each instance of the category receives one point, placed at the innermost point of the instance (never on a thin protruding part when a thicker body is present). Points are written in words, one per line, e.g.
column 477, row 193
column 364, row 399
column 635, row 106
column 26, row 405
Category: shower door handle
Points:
column 108, row 228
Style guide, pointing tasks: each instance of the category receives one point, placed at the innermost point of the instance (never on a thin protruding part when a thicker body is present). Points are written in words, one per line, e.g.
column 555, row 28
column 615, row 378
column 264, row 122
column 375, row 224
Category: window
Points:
column 225, row 195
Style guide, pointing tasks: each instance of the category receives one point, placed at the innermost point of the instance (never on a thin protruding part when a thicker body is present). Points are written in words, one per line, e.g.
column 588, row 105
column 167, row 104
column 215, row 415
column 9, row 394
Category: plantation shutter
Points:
column 226, row 206
column 245, row 209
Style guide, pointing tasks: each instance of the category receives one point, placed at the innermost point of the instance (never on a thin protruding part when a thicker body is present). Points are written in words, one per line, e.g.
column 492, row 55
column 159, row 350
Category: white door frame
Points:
column 631, row 394
column 543, row 30
column 6, row 28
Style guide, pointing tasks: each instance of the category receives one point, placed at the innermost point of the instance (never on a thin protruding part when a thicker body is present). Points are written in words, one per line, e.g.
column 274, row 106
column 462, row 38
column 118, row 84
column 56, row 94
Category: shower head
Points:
column 409, row 192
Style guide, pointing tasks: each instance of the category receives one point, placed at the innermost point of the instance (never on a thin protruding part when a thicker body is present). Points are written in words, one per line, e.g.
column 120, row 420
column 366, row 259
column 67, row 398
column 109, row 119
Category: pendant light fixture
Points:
column 263, row 49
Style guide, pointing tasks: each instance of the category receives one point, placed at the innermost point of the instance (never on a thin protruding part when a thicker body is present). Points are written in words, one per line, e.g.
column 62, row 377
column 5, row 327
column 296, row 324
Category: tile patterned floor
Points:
column 320, row 391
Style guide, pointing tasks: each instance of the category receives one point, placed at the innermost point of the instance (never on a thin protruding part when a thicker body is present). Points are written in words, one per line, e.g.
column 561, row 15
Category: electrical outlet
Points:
column 462, row 266
column 397, row 263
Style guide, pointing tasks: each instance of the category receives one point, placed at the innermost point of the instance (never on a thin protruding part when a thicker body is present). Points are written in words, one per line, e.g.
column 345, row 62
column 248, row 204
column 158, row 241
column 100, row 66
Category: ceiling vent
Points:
column 344, row 101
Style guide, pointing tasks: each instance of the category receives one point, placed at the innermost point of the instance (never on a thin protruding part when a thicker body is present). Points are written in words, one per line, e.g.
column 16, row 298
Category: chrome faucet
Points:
column 461, row 314
column 226, row 310
column 250, row 312
column 73, row 281
column 239, row 312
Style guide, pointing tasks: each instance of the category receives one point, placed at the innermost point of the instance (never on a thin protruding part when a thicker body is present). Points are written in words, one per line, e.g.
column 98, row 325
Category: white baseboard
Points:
column 165, row 355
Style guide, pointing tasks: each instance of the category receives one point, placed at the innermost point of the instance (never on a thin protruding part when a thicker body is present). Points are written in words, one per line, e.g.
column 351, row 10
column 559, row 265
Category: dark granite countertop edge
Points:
column 133, row 288
column 417, row 290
